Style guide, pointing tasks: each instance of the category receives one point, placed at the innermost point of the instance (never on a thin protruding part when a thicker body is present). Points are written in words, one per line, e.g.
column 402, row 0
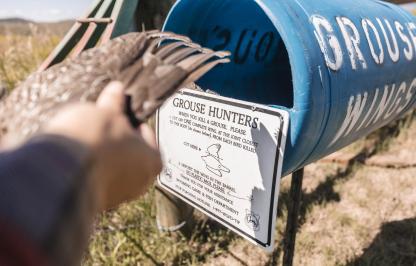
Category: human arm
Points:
column 87, row 159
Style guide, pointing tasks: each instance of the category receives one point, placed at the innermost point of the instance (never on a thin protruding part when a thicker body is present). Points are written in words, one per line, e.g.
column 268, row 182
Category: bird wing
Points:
column 163, row 69
column 151, row 65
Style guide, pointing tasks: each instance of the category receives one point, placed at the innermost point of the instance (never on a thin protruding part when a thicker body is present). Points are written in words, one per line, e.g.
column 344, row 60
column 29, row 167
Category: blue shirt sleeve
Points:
column 45, row 192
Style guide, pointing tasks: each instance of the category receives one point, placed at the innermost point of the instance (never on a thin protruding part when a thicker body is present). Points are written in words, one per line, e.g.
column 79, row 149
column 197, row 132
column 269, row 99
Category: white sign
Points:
column 224, row 157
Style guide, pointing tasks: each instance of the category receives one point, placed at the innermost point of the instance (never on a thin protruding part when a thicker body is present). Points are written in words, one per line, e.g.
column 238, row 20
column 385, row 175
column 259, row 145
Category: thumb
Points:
column 112, row 97
column 148, row 135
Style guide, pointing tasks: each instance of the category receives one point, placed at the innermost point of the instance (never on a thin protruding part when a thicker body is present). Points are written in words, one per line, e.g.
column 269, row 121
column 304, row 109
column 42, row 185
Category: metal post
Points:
column 295, row 198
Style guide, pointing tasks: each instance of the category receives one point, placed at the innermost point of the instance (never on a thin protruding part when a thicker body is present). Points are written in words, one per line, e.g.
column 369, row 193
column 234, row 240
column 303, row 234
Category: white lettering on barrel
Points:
column 378, row 58
column 369, row 111
column 382, row 106
column 352, row 40
column 327, row 40
column 355, row 108
column 385, row 38
column 412, row 27
column 409, row 96
column 394, row 104
column 400, row 94
column 408, row 52
column 394, row 55
column 394, row 100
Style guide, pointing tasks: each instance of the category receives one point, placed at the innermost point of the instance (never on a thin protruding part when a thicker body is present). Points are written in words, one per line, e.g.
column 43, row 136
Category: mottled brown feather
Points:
column 150, row 72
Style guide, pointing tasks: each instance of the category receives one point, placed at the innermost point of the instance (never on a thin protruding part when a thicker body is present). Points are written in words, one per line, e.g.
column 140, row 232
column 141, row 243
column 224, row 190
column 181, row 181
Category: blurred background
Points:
column 43, row 10
column 359, row 205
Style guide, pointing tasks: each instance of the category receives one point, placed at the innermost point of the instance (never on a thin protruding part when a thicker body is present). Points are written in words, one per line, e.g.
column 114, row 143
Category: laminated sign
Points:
column 224, row 157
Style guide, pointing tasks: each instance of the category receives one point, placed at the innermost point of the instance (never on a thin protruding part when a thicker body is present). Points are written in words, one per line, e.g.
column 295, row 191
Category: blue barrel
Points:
column 341, row 68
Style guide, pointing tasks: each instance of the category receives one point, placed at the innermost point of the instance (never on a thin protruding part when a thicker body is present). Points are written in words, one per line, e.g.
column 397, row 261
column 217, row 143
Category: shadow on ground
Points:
column 325, row 192
column 210, row 238
column 394, row 245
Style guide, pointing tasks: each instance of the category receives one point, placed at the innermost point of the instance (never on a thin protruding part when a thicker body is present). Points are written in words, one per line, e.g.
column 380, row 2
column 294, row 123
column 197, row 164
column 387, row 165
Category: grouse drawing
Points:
column 213, row 161
column 151, row 65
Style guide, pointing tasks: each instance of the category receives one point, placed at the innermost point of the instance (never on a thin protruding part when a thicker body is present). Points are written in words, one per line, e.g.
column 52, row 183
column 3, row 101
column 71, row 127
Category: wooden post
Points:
column 293, row 217
column 173, row 214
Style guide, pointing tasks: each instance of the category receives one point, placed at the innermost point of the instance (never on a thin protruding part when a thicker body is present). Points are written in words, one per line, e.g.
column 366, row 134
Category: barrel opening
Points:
column 260, row 69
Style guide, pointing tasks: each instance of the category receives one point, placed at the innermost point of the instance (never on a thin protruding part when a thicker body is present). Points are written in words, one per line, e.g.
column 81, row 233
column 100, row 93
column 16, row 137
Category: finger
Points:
column 148, row 135
column 112, row 97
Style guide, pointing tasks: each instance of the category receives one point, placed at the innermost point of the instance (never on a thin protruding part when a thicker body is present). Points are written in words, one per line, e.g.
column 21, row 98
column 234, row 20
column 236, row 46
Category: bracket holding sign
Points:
column 224, row 157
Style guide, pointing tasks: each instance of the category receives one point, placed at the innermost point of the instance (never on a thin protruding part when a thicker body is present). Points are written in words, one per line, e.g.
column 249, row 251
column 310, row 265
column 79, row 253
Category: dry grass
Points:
column 129, row 236
column 351, row 214
column 20, row 54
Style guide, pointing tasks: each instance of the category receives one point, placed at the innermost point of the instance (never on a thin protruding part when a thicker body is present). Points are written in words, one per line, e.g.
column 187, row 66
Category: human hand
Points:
column 124, row 161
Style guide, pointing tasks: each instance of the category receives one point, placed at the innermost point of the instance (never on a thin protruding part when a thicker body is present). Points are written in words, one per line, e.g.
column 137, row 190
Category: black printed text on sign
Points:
column 224, row 157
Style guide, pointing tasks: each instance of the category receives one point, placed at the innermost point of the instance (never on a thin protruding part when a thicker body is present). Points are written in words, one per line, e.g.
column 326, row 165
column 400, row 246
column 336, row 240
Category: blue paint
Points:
column 277, row 60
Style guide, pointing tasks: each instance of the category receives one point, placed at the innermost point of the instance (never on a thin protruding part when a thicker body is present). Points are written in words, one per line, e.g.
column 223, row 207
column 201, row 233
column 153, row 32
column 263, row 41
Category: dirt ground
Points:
column 356, row 211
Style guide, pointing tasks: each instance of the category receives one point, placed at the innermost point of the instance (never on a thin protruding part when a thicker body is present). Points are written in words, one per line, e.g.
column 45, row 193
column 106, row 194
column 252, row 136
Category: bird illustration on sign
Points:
column 213, row 160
